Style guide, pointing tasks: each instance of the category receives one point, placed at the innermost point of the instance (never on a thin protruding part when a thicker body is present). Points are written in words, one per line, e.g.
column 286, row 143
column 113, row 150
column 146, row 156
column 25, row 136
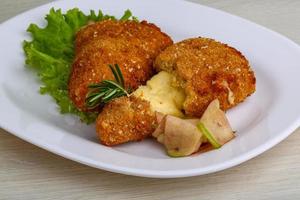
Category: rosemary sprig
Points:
column 107, row 90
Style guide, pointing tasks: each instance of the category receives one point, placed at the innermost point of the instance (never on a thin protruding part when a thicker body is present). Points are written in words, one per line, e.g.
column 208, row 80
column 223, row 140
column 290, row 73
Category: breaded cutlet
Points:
column 152, row 39
column 131, row 45
column 204, row 68
column 91, row 66
column 208, row 70
column 125, row 119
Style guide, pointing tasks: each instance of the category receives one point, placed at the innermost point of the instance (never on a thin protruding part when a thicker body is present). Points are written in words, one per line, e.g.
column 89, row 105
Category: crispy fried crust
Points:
column 153, row 40
column 208, row 70
column 91, row 66
column 131, row 45
column 125, row 119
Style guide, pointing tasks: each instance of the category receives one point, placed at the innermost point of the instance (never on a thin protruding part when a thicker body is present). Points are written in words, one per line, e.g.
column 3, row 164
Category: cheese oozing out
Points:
column 163, row 95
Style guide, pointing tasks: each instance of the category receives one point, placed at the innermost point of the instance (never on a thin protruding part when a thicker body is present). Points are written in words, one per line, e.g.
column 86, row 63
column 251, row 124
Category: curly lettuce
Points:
column 51, row 51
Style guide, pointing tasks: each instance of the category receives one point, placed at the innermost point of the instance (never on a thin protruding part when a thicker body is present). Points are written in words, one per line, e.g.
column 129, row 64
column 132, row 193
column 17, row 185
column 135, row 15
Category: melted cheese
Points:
column 162, row 94
column 230, row 96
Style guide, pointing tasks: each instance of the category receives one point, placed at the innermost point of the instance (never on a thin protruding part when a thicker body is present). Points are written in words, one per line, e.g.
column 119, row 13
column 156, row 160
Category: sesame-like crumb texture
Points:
column 125, row 119
column 130, row 44
column 208, row 70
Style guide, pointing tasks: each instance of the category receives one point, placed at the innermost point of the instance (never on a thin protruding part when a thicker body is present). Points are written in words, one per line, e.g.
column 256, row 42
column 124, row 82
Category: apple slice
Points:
column 215, row 126
column 160, row 129
column 211, row 139
column 181, row 138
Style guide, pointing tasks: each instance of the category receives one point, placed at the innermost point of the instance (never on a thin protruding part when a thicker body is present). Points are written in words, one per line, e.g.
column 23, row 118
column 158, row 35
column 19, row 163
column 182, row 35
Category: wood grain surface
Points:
column 28, row 172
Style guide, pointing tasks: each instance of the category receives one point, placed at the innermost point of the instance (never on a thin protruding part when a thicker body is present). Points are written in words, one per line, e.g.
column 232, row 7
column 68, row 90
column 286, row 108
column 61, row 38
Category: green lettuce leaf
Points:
column 51, row 51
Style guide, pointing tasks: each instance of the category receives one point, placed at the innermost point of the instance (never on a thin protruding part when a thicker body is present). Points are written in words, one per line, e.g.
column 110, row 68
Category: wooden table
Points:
column 28, row 172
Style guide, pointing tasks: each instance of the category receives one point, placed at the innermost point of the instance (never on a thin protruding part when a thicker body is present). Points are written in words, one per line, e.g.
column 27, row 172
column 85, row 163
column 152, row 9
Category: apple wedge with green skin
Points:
column 160, row 129
column 208, row 136
column 181, row 138
column 195, row 122
column 215, row 126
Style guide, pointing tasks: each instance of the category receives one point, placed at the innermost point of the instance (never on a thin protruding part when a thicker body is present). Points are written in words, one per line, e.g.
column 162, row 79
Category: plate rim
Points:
column 157, row 173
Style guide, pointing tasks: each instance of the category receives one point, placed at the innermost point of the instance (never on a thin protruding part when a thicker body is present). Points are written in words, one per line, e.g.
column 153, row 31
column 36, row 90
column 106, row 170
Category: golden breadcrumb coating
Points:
column 144, row 35
column 125, row 119
column 208, row 70
column 131, row 45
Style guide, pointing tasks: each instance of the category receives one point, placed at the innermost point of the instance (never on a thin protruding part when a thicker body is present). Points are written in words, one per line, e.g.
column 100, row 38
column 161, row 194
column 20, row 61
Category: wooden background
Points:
column 28, row 172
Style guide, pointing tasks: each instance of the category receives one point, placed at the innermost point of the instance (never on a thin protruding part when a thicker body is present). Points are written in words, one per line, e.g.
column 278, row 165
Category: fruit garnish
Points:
column 208, row 135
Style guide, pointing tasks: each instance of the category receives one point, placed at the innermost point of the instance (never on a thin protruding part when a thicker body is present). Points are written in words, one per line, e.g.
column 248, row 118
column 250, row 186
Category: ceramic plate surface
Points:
column 262, row 121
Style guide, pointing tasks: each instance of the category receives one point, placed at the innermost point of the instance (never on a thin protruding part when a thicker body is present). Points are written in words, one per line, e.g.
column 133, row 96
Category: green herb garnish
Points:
column 51, row 52
column 107, row 90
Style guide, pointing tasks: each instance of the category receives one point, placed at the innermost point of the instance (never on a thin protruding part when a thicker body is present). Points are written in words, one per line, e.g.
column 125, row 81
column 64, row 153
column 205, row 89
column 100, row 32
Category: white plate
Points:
column 262, row 121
